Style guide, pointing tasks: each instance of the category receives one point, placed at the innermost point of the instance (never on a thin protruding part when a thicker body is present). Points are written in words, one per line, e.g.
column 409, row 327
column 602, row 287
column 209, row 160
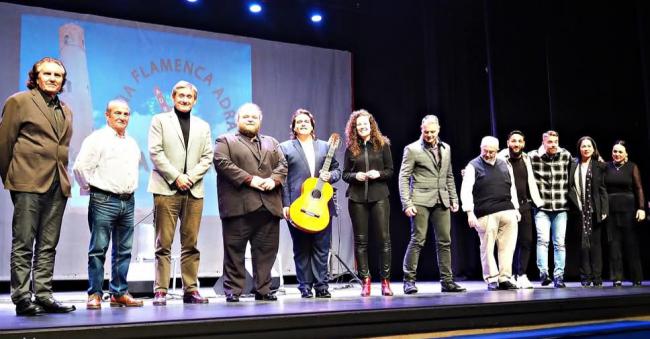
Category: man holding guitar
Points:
column 310, row 207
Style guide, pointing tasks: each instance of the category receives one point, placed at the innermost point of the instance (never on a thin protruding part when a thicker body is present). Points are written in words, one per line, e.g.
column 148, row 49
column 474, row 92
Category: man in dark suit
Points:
column 428, row 193
column 250, row 172
column 35, row 134
column 305, row 156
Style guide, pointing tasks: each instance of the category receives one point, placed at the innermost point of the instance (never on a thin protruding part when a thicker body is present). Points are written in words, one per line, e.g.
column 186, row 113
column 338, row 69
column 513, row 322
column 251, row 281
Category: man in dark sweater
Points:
column 528, row 197
column 489, row 197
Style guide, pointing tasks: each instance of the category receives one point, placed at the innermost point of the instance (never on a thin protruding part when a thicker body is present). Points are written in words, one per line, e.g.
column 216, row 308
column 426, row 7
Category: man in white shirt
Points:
column 310, row 250
column 107, row 167
column 489, row 197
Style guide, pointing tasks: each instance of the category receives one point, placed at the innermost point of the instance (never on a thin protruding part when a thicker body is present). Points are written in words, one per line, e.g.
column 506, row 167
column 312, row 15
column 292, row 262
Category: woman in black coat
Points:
column 368, row 166
column 588, row 195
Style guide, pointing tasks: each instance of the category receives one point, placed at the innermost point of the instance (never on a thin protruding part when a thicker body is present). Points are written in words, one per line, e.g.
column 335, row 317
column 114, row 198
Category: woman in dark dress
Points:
column 368, row 168
column 623, row 182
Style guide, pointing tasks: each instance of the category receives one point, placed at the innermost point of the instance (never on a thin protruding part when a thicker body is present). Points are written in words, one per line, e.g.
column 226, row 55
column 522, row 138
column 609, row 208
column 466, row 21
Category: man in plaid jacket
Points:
column 551, row 169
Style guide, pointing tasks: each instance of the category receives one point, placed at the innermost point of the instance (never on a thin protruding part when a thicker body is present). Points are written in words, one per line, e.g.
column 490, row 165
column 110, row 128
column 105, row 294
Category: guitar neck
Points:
column 326, row 165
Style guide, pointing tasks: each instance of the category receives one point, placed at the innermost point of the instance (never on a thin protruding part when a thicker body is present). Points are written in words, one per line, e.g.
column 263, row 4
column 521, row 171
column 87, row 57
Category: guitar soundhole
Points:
column 316, row 194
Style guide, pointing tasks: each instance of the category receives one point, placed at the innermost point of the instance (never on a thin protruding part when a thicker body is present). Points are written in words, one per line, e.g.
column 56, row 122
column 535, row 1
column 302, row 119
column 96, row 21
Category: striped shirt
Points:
column 552, row 176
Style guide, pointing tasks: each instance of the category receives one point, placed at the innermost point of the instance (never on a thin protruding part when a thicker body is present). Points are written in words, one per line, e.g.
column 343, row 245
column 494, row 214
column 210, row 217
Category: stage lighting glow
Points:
column 255, row 8
column 192, row 0
column 316, row 17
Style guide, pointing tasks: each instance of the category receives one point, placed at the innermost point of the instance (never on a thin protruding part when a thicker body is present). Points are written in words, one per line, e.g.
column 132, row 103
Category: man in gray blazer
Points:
column 35, row 134
column 180, row 147
column 251, row 170
column 427, row 191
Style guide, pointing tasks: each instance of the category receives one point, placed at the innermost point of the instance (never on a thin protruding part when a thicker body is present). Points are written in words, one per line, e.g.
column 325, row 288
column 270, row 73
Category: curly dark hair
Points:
column 353, row 142
column 299, row 111
column 32, row 77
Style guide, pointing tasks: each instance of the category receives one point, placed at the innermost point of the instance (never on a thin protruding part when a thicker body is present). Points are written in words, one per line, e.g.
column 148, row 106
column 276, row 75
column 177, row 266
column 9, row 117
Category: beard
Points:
column 249, row 131
column 516, row 154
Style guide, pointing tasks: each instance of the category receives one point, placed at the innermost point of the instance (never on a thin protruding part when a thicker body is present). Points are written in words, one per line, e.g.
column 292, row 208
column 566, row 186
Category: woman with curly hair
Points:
column 368, row 167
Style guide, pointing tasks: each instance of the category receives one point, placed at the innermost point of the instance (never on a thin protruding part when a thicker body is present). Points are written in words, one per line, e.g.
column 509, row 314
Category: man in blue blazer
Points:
column 305, row 156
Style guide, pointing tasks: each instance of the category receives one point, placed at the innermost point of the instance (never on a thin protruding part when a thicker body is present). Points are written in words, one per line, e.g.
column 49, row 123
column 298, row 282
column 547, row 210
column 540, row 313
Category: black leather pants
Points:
column 373, row 216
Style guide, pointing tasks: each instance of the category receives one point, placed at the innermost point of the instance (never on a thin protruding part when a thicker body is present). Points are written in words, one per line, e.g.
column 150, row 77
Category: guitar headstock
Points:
column 334, row 141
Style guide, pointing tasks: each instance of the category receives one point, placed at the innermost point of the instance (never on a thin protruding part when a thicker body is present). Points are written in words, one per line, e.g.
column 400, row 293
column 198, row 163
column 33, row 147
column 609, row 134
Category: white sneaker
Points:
column 523, row 282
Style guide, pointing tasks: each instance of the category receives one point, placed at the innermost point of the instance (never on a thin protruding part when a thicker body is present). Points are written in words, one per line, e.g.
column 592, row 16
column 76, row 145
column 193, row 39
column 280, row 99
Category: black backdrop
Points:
column 484, row 67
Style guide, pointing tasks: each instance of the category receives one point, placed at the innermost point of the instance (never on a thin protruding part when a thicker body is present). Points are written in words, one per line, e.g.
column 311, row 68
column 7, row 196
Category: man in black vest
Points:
column 489, row 197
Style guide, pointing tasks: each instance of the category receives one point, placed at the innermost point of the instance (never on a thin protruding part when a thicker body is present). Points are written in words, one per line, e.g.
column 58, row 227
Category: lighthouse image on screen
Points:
column 108, row 61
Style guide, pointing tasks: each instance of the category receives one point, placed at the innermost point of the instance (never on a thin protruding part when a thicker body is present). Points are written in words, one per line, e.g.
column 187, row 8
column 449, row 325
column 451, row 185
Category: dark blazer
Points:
column 380, row 160
column 236, row 161
column 30, row 148
column 598, row 189
column 299, row 168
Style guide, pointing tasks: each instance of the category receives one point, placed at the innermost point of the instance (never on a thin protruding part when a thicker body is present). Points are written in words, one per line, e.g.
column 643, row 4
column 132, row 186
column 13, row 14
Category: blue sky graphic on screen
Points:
column 109, row 61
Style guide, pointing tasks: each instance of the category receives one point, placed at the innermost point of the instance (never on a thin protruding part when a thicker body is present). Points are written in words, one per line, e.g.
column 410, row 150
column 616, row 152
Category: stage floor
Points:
column 345, row 311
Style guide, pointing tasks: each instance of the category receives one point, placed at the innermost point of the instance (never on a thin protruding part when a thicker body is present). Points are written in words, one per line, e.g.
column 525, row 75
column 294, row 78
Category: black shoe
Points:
column 598, row 284
column 51, row 305
column 636, row 283
column 26, row 307
column 586, row 283
column 323, row 294
column 493, row 286
column 545, row 279
column 450, row 286
column 232, row 298
column 410, row 288
column 507, row 285
column 559, row 282
column 265, row 297
column 617, row 283
column 306, row 293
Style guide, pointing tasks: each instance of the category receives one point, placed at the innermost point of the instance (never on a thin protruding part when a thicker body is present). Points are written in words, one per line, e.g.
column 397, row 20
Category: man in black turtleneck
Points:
column 180, row 146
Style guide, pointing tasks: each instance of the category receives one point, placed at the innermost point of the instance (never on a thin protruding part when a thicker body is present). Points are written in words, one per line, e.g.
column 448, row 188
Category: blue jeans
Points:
column 546, row 223
column 108, row 215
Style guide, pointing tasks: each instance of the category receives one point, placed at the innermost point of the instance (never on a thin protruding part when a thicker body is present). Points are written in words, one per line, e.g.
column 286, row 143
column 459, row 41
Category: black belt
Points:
column 123, row 196
column 525, row 201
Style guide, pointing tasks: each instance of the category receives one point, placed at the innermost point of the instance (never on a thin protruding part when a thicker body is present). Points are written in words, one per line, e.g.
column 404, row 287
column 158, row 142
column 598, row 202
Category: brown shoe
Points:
column 94, row 302
column 160, row 298
column 125, row 300
column 194, row 297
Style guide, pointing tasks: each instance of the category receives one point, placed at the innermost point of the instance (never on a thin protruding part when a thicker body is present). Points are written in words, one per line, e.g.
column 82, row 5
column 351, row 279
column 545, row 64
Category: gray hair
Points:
column 185, row 84
column 490, row 141
column 430, row 119
column 115, row 102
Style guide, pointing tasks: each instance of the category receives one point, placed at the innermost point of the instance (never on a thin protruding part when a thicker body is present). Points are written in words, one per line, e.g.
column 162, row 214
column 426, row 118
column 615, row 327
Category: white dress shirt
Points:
column 308, row 148
column 108, row 161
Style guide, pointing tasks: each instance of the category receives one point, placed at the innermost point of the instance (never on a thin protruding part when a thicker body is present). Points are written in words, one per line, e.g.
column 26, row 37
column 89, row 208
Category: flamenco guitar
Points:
column 310, row 212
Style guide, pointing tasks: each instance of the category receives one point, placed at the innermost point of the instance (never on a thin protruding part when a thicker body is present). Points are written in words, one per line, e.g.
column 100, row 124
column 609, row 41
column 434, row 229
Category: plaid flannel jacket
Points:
column 552, row 176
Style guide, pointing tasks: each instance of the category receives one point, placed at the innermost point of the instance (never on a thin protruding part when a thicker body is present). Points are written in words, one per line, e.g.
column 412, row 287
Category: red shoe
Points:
column 365, row 287
column 194, row 297
column 160, row 298
column 385, row 288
